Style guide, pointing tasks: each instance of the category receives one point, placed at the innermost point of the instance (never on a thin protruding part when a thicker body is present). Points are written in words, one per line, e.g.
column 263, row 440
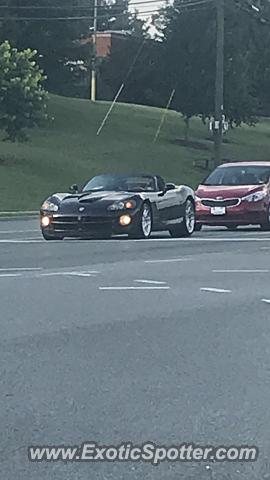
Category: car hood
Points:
column 91, row 197
column 205, row 191
column 70, row 203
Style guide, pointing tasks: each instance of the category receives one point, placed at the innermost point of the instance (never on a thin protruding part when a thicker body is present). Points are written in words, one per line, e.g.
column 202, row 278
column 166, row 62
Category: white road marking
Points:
column 240, row 271
column 265, row 300
column 196, row 239
column 134, row 288
column 192, row 239
column 215, row 239
column 19, row 231
column 67, row 274
column 6, row 275
column 215, row 290
column 25, row 241
column 155, row 282
column 168, row 260
column 20, row 213
column 19, row 269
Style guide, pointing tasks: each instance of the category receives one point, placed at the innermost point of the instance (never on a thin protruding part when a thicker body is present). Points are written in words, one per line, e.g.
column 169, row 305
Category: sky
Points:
column 146, row 7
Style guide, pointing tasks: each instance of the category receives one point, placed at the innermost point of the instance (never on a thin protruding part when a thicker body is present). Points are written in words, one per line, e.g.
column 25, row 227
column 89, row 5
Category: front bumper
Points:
column 83, row 226
column 246, row 213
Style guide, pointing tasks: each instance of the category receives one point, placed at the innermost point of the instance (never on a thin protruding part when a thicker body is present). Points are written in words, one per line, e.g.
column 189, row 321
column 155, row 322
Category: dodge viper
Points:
column 113, row 204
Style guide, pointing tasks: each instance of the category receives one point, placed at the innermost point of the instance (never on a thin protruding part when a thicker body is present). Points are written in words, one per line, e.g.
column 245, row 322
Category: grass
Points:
column 68, row 151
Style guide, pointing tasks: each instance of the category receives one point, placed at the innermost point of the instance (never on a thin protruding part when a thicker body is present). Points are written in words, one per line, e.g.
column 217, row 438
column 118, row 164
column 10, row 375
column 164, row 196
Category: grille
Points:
column 230, row 202
column 80, row 223
column 65, row 220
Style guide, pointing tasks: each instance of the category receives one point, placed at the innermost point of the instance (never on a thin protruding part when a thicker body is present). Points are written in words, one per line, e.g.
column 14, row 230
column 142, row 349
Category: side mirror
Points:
column 168, row 186
column 74, row 188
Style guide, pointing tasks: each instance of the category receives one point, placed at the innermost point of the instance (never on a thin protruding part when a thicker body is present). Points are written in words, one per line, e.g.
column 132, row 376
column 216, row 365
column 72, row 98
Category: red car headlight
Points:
column 255, row 197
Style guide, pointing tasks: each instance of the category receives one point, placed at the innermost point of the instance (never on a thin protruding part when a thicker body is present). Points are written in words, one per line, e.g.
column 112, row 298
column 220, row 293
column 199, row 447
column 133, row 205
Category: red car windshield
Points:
column 238, row 175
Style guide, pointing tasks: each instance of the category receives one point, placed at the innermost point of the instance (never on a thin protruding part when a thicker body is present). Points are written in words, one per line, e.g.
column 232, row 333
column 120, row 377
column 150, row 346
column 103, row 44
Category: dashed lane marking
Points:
column 214, row 290
column 135, row 288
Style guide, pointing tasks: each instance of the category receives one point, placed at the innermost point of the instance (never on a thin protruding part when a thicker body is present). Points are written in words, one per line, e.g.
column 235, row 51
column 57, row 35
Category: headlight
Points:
column 255, row 197
column 197, row 199
column 50, row 206
column 45, row 221
column 125, row 220
column 122, row 205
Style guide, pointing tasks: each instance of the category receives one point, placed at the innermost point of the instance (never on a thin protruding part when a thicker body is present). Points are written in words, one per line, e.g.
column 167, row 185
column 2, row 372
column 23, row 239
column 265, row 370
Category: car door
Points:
column 161, row 204
column 169, row 204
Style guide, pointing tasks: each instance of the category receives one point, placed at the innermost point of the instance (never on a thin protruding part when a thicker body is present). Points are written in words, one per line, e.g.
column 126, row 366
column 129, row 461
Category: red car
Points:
column 235, row 194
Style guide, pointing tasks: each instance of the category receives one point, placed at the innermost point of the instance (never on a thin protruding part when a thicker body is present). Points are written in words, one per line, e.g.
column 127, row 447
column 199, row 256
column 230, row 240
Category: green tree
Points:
column 55, row 40
column 189, row 63
column 259, row 55
column 133, row 62
column 22, row 96
column 54, row 28
column 189, row 60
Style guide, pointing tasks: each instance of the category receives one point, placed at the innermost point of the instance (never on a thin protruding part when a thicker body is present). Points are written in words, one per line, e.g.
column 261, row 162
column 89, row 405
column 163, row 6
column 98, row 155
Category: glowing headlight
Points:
column 255, row 197
column 122, row 205
column 125, row 220
column 130, row 204
column 50, row 206
column 45, row 221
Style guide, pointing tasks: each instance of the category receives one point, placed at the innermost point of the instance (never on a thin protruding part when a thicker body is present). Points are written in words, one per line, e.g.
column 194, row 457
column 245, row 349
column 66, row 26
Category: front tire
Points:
column 187, row 226
column 48, row 237
column 145, row 222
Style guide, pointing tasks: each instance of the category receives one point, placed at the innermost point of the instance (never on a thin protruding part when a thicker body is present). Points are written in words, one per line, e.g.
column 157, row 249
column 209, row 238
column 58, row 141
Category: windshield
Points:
column 124, row 183
column 238, row 175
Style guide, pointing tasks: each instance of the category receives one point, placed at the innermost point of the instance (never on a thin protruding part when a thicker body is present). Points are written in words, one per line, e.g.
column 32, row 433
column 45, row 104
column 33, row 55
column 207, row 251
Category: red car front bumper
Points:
column 246, row 213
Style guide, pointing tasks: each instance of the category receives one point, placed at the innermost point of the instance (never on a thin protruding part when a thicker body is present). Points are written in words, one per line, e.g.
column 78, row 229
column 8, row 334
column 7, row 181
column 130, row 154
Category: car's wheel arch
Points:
column 189, row 197
column 147, row 201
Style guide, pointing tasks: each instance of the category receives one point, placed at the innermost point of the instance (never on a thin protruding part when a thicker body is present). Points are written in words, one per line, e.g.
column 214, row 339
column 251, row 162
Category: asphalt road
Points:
column 113, row 341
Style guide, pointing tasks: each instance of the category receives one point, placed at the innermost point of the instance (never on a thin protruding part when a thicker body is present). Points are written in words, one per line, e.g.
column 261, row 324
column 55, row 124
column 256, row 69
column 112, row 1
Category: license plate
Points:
column 218, row 210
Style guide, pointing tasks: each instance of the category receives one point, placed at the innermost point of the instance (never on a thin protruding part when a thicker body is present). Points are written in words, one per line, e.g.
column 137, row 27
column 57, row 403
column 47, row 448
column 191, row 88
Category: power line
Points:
column 75, row 7
column 185, row 4
column 188, row 6
column 23, row 19
column 122, row 86
column 192, row 6
column 191, row 3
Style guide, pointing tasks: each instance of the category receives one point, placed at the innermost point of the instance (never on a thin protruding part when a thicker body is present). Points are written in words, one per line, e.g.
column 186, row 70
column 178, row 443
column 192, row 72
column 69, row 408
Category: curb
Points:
column 18, row 214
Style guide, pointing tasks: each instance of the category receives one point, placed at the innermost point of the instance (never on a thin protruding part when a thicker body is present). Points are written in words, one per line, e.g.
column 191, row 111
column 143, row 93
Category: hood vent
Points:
column 89, row 200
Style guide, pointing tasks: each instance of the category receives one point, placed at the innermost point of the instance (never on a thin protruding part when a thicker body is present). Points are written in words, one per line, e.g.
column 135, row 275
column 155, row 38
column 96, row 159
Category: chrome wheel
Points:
column 190, row 217
column 146, row 222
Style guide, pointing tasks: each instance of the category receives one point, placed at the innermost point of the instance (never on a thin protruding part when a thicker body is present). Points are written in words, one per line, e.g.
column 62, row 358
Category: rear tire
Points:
column 187, row 227
column 144, row 226
column 51, row 237
column 198, row 227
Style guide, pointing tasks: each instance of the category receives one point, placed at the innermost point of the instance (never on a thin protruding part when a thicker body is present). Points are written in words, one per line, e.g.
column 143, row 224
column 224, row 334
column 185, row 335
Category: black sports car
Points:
column 119, row 204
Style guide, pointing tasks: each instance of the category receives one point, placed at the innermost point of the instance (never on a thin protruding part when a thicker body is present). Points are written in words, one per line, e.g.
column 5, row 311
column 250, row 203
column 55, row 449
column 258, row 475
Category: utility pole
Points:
column 94, row 57
column 219, row 88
